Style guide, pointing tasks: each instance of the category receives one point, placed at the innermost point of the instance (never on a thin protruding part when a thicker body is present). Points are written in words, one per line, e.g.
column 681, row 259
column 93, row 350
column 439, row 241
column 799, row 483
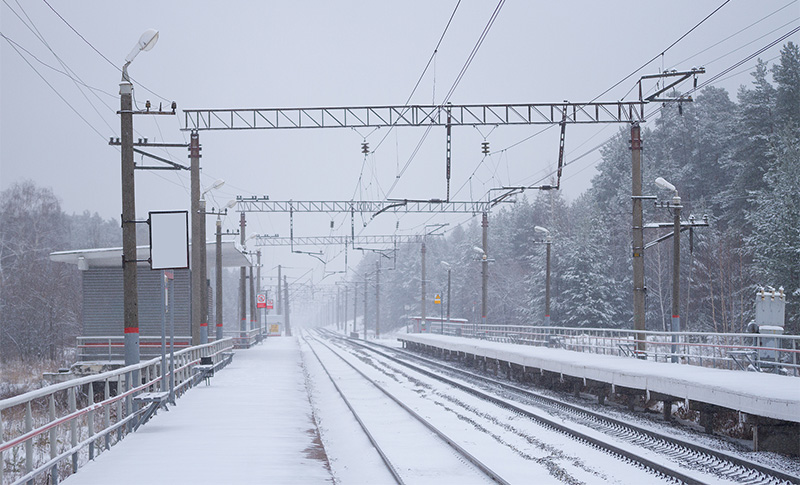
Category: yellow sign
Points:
column 437, row 299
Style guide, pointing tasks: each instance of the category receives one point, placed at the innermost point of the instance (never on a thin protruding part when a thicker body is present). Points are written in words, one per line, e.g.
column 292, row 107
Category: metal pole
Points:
column 242, row 283
column 365, row 307
column 218, row 276
column 198, row 240
column 547, row 287
column 378, row 298
column 485, row 269
column 344, row 309
column 423, row 250
column 676, row 280
column 130, row 296
column 204, row 275
column 338, row 308
column 286, row 306
column 163, row 288
column 638, row 239
column 171, row 292
column 441, row 316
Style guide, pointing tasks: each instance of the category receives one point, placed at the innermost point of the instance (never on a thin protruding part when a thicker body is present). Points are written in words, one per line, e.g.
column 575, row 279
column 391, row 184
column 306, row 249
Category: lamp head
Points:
column 230, row 204
column 541, row 229
column 665, row 185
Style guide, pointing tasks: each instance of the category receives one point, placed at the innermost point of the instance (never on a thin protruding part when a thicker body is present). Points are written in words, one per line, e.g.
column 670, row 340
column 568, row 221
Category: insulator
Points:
column 147, row 105
column 331, row 224
column 364, row 148
column 485, row 147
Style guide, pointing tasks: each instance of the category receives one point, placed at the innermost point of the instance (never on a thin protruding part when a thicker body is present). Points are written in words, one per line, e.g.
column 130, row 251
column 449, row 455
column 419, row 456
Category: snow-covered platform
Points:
column 756, row 394
column 252, row 424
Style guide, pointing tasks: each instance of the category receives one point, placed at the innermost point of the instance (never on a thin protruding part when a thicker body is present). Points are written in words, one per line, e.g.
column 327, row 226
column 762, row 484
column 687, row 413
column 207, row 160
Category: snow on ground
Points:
column 253, row 424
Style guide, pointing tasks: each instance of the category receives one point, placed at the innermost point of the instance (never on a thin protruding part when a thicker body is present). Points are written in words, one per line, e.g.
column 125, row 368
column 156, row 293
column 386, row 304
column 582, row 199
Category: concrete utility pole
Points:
column 198, row 240
column 355, row 304
column 378, row 298
column 676, row 271
column 130, row 298
column 547, row 286
column 638, row 238
column 286, row 309
column 252, row 299
column 344, row 309
column 204, row 273
column 338, row 308
column 258, row 288
column 278, row 293
column 423, row 250
column 242, row 283
column 365, row 306
column 485, row 269
column 218, row 277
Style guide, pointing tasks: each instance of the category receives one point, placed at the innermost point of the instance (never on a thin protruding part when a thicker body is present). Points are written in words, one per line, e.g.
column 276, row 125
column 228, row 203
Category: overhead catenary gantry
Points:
column 375, row 207
column 263, row 240
column 415, row 115
column 449, row 115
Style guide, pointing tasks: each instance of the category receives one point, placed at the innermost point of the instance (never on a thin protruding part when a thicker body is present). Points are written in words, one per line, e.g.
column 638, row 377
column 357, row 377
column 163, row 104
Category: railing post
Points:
column 120, row 390
column 73, row 427
column 53, row 441
column 129, row 399
column 90, row 418
column 107, row 412
column 28, row 442
column 2, row 460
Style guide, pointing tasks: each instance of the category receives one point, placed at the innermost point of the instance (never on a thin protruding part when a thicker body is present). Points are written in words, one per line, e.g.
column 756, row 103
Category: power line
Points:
column 56, row 91
column 101, row 54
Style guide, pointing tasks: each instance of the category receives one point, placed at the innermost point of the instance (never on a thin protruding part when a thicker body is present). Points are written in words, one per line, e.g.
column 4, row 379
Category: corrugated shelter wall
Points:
column 102, row 302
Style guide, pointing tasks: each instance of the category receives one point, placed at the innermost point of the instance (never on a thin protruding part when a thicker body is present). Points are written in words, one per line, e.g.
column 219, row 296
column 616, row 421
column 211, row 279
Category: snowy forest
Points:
column 735, row 161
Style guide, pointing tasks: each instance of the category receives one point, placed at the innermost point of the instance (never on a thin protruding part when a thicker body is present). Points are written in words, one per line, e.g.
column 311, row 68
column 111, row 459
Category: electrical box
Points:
column 770, row 307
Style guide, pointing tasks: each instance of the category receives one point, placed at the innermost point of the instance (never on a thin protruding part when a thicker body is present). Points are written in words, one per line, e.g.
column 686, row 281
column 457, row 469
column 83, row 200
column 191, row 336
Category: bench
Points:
column 745, row 359
column 152, row 401
column 204, row 370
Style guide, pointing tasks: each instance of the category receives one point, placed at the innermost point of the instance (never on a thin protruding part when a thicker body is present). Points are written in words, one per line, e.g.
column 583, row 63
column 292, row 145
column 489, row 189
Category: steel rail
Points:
column 625, row 455
column 769, row 475
column 458, row 448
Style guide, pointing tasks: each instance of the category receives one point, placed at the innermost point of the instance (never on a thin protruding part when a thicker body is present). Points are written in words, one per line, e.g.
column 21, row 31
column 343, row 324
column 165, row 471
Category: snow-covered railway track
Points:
column 524, row 450
column 413, row 450
column 690, row 456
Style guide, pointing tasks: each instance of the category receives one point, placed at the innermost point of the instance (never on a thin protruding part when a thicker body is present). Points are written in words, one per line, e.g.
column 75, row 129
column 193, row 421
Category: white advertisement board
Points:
column 169, row 239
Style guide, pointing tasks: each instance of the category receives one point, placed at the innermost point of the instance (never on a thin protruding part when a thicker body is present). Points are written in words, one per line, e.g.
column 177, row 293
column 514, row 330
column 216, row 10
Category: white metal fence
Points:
column 742, row 351
column 47, row 434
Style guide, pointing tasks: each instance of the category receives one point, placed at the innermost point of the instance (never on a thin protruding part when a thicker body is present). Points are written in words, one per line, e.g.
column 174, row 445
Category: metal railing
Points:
column 736, row 351
column 56, row 429
column 113, row 348
column 247, row 338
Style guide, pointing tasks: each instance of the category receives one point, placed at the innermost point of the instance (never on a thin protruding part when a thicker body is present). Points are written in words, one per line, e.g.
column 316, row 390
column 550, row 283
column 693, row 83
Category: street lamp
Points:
column 130, row 293
column 447, row 266
column 548, row 240
column 674, row 204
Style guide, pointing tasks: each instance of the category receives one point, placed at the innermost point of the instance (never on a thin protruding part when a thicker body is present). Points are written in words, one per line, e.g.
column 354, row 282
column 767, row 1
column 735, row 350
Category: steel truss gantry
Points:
column 375, row 207
column 261, row 240
column 416, row 115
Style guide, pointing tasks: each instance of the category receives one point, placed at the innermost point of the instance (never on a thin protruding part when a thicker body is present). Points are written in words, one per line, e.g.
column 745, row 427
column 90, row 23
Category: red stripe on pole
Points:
column 203, row 324
column 131, row 329
column 675, row 316
column 219, row 324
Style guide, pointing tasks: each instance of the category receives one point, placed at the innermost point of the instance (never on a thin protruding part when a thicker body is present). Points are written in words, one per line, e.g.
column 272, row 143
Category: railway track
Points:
column 682, row 454
column 433, row 453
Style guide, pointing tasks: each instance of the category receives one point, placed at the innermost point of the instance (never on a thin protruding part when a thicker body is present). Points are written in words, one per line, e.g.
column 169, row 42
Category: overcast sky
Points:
column 241, row 54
